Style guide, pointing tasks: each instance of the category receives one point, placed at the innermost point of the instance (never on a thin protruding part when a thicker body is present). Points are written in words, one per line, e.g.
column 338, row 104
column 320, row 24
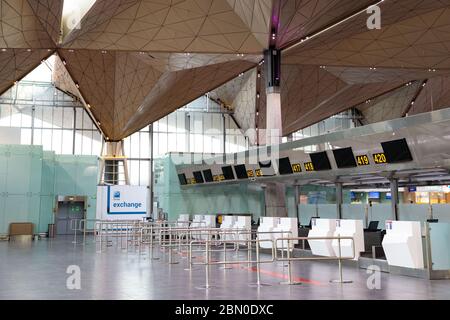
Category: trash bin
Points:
column 51, row 230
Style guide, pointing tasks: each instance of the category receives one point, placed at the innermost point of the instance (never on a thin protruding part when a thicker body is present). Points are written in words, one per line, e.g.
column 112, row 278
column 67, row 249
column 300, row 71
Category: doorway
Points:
column 69, row 210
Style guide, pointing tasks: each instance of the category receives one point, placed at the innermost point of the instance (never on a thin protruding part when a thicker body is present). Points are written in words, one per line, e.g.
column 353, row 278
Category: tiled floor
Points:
column 38, row 271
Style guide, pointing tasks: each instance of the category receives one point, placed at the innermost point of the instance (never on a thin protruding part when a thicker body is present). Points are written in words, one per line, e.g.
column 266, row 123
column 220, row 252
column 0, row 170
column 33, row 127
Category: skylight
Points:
column 73, row 11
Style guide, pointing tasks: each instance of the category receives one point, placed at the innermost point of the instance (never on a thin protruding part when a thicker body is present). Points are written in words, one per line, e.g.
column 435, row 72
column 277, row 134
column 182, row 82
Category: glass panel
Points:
column 26, row 117
column 96, row 143
column 68, row 118
column 25, row 136
column 144, row 173
column 57, row 117
column 47, row 117
column 67, row 142
column 172, row 142
column 134, row 146
column 79, row 115
column 87, row 143
column 439, row 239
column 172, row 122
column 5, row 115
column 47, row 139
column 87, row 122
column 145, row 145
column 57, row 141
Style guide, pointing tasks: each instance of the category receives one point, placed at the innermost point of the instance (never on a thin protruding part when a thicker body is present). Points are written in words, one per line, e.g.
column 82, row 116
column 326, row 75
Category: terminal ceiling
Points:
column 131, row 62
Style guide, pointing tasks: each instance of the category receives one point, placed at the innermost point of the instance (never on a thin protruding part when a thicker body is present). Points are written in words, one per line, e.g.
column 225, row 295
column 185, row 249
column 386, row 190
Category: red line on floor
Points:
column 283, row 276
column 272, row 274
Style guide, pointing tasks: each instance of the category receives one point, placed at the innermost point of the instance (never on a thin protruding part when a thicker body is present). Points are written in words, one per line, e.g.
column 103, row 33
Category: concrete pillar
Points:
column 274, row 127
column 272, row 67
column 275, row 200
column 339, row 199
column 395, row 198
column 264, row 212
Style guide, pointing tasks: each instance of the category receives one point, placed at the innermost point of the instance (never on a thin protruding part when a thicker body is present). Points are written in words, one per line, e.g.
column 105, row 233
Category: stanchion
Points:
column 170, row 248
column 189, row 268
column 225, row 266
column 258, row 270
column 249, row 252
column 84, row 232
column 207, row 261
column 290, row 281
column 152, row 257
column 341, row 280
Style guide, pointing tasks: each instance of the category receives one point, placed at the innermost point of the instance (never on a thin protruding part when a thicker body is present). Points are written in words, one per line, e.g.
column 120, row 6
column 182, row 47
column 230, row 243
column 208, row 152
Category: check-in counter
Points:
column 322, row 228
column 287, row 228
column 208, row 222
column 228, row 223
column 267, row 224
column 183, row 221
column 402, row 244
column 197, row 222
column 243, row 223
column 372, row 239
column 353, row 229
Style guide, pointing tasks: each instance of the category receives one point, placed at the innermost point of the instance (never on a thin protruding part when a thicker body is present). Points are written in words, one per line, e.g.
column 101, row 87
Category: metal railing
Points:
column 339, row 257
column 208, row 262
column 169, row 238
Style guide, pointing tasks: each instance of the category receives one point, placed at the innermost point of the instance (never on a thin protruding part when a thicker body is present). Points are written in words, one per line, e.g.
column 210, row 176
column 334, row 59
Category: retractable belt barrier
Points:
column 195, row 242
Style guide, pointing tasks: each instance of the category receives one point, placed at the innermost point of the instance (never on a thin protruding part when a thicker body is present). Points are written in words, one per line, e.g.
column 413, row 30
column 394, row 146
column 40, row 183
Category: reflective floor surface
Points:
column 38, row 271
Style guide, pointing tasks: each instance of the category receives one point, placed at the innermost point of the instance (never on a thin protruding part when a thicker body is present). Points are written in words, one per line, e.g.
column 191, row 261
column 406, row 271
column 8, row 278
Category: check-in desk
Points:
column 372, row 238
column 353, row 229
column 402, row 244
column 267, row 224
column 322, row 228
column 228, row 223
column 286, row 228
column 243, row 223
column 197, row 222
column 183, row 221
column 303, row 232
column 208, row 222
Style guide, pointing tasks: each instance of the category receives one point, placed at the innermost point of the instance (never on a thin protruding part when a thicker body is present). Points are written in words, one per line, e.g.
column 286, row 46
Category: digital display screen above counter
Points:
column 198, row 177
column 344, row 158
column 320, row 161
column 228, row 173
column 241, row 171
column 397, row 151
column 182, row 178
column 208, row 175
column 284, row 166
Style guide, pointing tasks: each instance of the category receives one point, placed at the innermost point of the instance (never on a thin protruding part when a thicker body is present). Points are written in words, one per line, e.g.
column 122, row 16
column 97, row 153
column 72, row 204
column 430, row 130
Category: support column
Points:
column 151, row 180
column 394, row 198
column 275, row 193
column 272, row 64
column 264, row 213
column 275, row 200
column 339, row 199
column 297, row 201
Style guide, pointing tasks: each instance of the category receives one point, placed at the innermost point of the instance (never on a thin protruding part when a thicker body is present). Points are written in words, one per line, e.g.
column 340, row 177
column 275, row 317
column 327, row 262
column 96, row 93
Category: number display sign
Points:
column 379, row 158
